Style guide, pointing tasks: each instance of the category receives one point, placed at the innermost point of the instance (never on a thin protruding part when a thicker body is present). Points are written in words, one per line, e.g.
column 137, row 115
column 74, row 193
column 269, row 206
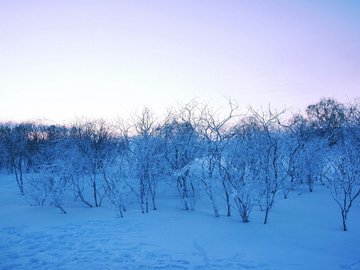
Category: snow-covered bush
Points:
column 48, row 185
column 49, row 181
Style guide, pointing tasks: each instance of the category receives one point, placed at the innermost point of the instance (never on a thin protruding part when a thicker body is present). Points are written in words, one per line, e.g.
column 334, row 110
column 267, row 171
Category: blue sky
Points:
column 62, row 59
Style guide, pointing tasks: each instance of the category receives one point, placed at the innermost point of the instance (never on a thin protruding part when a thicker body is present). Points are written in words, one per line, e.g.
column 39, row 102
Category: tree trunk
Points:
column 19, row 178
column 311, row 184
column 95, row 192
column 153, row 202
column 266, row 215
column 61, row 209
column 186, row 204
column 227, row 197
column 120, row 208
column 344, row 216
column 228, row 204
column 216, row 212
column 83, row 199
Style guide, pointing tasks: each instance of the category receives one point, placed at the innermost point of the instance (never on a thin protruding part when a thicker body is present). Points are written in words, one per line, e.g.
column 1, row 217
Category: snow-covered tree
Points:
column 215, row 131
column 147, row 151
column 241, row 167
column 118, row 174
column 181, row 149
column 327, row 118
column 16, row 141
column 268, row 131
column 49, row 181
column 344, row 176
column 94, row 142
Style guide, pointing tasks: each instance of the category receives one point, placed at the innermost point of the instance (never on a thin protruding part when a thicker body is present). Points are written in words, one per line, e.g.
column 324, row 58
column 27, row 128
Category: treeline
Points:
column 246, row 160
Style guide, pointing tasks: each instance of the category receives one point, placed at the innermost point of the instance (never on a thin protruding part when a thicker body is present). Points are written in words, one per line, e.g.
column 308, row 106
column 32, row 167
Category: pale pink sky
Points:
column 62, row 59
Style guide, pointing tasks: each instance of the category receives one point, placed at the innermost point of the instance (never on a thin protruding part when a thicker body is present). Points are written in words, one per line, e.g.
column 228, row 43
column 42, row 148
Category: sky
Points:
column 65, row 59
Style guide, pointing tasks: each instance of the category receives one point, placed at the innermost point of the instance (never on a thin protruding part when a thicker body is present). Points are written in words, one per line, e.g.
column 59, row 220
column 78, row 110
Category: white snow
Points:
column 304, row 232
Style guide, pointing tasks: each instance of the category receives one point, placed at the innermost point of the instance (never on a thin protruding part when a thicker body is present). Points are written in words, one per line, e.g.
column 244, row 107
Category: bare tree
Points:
column 353, row 122
column 16, row 141
column 117, row 175
column 269, row 130
column 241, row 167
column 295, row 136
column 344, row 177
column 78, row 166
column 327, row 117
column 216, row 132
column 147, row 150
column 49, row 180
column 93, row 139
column 181, row 149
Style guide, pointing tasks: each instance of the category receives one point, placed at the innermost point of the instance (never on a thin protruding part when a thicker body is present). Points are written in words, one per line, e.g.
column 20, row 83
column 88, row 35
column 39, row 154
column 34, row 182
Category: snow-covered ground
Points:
column 304, row 232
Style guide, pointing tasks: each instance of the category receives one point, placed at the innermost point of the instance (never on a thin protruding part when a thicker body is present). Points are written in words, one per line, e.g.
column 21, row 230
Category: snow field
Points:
column 304, row 232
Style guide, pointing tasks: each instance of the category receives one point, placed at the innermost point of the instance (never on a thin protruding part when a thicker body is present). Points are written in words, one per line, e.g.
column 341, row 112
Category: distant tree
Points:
column 5, row 130
column 16, row 141
column 353, row 122
column 327, row 117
